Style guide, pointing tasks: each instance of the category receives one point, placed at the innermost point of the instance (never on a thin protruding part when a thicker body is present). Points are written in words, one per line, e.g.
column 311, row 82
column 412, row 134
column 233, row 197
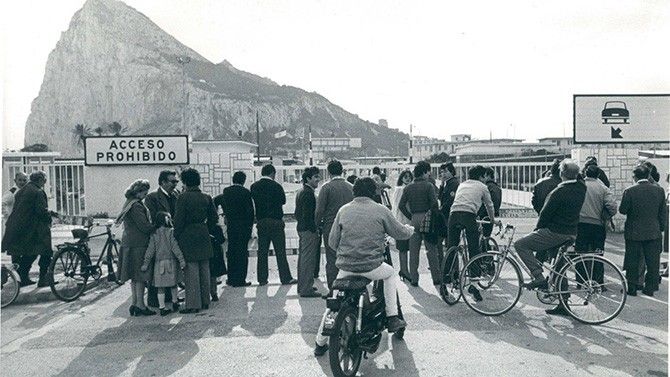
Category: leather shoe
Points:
column 475, row 293
column 539, row 282
column 43, row 282
column 394, row 323
column 648, row 292
column 26, row 282
column 320, row 350
column 558, row 310
column 290, row 282
column 632, row 290
column 311, row 294
column 189, row 311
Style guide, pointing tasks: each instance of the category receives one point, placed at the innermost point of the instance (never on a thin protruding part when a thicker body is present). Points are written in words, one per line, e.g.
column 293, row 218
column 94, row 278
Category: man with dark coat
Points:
column 269, row 198
column 28, row 231
column 592, row 161
column 446, row 195
column 646, row 214
column 546, row 185
column 496, row 198
column 238, row 209
column 309, row 240
column 161, row 200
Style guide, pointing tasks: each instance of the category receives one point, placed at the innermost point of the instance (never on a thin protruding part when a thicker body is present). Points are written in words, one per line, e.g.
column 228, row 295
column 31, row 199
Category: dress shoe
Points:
column 311, row 294
column 189, row 311
column 475, row 293
column 165, row 312
column 43, row 282
column 632, row 290
column 414, row 283
column 648, row 292
column 394, row 323
column 144, row 312
column 403, row 276
column 215, row 298
column 175, row 306
column 132, row 310
column 290, row 282
column 558, row 310
column 539, row 282
column 320, row 350
column 26, row 282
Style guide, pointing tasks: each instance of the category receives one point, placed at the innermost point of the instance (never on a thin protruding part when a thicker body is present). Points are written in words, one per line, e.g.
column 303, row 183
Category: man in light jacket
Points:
column 599, row 206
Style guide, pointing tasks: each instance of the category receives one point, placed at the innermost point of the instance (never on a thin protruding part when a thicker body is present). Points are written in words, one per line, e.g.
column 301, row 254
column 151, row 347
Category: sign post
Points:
column 136, row 150
column 621, row 119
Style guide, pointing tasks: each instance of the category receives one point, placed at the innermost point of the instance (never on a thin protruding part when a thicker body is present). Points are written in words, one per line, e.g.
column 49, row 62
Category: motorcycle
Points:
column 355, row 321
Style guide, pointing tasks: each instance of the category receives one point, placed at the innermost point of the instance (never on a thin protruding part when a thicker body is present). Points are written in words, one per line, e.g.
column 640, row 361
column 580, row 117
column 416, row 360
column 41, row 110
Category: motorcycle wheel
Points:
column 344, row 353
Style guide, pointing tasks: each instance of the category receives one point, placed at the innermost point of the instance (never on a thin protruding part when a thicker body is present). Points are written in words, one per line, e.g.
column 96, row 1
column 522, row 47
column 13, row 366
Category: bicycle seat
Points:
column 351, row 283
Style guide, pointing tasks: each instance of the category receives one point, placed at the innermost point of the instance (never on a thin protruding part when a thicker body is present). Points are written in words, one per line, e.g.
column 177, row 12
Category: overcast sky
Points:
column 505, row 67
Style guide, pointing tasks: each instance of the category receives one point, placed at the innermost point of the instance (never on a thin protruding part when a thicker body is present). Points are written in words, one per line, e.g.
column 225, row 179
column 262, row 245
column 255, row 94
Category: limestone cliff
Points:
column 113, row 64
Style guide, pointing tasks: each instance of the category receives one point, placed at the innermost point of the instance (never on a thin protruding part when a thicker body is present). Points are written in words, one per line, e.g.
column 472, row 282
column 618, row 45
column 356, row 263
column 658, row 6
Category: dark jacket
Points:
column 332, row 196
column 157, row 201
column 419, row 196
column 237, row 206
column 447, row 194
column 28, row 229
column 137, row 227
column 496, row 197
column 305, row 206
column 195, row 219
column 268, row 198
column 542, row 189
column 645, row 210
column 560, row 212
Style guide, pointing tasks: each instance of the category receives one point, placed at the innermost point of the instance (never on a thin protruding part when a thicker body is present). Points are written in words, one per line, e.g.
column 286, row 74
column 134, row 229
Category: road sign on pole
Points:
column 621, row 119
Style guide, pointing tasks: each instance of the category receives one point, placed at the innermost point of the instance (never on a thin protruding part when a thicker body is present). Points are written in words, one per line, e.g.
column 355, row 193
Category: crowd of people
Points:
column 172, row 237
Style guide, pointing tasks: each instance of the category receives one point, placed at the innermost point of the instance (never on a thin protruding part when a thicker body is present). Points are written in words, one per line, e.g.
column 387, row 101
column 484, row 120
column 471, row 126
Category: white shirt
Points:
column 470, row 196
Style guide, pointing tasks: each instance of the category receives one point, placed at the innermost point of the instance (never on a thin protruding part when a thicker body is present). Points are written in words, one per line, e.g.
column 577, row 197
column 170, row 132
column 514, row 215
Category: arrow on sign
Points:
column 616, row 133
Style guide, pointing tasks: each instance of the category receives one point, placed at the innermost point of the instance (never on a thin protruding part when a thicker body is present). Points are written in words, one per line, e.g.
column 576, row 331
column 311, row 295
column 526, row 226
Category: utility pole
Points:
column 311, row 157
column 258, row 139
column 411, row 146
column 183, row 60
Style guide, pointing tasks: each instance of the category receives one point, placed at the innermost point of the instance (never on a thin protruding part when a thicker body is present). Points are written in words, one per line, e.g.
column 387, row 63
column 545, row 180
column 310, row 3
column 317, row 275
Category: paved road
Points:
column 269, row 331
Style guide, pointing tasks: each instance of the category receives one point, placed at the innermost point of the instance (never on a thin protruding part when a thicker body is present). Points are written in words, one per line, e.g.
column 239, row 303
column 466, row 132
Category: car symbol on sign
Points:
column 615, row 112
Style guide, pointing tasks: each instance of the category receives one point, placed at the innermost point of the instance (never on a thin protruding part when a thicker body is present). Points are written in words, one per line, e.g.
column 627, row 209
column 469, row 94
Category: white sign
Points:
column 136, row 150
column 641, row 118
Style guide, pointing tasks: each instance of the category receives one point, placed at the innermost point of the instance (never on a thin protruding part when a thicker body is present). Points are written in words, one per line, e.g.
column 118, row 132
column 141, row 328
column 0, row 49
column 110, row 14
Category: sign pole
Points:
column 311, row 158
column 258, row 139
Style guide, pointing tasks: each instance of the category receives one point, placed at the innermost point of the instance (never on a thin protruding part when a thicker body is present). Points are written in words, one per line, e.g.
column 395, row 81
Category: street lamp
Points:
column 183, row 60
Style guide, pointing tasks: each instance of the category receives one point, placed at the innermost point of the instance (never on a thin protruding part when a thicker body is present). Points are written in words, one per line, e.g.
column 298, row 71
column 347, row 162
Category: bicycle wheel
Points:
column 491, row 283
column 112, row 262
column 10, row 287
column 449, row 286
column 344, row 353
column 594, row 289
column 69, row 273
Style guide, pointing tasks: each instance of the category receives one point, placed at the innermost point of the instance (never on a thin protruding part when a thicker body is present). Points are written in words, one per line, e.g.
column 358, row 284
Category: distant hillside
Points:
column 113, row 64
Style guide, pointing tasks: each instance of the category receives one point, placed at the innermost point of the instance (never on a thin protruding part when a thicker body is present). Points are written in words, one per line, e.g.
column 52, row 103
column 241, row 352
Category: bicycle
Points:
column 71, row 265
column 592, row 298
column 11, row 284
column 459, row 256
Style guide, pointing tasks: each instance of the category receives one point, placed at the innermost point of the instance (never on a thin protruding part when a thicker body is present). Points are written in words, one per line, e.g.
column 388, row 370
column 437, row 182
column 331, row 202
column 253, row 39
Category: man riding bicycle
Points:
column 358, row 236
column 556, row 225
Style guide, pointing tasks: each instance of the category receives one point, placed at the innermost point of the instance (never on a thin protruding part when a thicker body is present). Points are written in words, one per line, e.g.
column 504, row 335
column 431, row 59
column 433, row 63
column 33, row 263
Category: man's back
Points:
column 332, row 196
column 599, row 203
column 644, row 207
column 560, row 212
column 237, row 205
column 269, row 199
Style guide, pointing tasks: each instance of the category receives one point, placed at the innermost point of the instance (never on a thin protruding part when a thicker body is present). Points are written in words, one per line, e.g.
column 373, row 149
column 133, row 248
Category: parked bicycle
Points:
column 592, row 289
column 11, row 283
column 71, row 266
column 457, row 256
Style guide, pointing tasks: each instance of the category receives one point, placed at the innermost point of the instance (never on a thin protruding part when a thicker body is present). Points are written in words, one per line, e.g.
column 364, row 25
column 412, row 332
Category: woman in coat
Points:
column 137, row 230
column 194, row 220
column 404, row 179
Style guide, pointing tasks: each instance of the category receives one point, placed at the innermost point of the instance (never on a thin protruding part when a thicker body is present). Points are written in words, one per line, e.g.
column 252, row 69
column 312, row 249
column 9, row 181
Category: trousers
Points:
column 309, row 245
column 272, row 230
column 434, row 258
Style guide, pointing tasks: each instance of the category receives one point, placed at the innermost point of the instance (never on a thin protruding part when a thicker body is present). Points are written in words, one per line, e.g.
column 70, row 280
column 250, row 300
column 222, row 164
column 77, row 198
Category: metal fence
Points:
column 65, row 184
column 517, row 179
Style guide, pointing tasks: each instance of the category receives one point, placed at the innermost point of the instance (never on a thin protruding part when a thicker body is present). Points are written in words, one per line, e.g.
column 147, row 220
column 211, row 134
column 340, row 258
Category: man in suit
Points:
column 646, row 214
column 161, row 200
column 446, row 195
column 238, row 209
column 269, row 198
column 28, row 231
column 333, row 195
column 309, row 242
column 20, row 179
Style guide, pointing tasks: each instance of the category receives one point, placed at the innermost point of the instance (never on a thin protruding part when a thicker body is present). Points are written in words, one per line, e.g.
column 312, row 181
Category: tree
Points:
column 35, row 148
column 80, row 132
column 440, row 158
column 99, row 130
column 116, row 129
